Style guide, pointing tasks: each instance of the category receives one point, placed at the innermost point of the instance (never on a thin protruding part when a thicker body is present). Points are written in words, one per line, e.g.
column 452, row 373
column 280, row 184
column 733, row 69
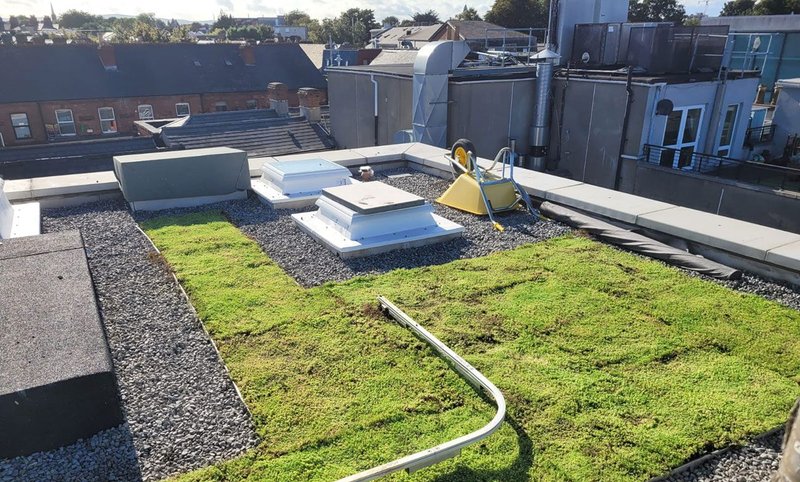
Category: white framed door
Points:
column 681, row 136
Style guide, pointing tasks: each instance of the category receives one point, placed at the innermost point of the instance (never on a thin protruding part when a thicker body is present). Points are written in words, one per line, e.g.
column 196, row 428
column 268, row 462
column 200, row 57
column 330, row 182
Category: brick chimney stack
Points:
column 278, row 95
column 107, row 56
column 310, row 101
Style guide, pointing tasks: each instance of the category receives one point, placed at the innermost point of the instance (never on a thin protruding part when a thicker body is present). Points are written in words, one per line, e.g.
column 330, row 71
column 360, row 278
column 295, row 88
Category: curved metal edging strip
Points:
column 448, row 449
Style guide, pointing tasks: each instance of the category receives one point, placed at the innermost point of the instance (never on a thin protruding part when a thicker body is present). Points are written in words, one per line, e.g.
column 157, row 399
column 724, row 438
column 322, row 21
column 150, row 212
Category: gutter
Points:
column 444, row 451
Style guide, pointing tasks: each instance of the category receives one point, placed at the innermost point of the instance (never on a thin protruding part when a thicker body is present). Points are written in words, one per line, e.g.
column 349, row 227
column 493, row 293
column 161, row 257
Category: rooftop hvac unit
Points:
column 595, row 44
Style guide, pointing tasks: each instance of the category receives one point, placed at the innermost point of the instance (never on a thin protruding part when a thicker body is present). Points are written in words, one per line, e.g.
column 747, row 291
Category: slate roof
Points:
column 477, row 30
column 314, row 52
column 391, row 57
column 61, row 158
column 68, row 72
column 259, row 136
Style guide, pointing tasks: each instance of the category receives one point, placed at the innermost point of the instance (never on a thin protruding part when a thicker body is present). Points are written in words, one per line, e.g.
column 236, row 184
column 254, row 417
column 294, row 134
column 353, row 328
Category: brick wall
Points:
column 87, row 120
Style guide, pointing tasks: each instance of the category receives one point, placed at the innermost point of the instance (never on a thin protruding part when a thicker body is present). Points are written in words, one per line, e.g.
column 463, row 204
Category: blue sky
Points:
column 206, row 9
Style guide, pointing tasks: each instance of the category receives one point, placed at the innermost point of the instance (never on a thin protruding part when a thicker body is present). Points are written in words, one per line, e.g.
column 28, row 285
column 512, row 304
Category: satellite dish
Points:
column 664, row 107
column 585, row 58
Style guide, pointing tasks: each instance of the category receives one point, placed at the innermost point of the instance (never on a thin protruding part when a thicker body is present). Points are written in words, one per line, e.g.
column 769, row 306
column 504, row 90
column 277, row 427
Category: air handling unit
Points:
column 372, row 217
column 297, row 184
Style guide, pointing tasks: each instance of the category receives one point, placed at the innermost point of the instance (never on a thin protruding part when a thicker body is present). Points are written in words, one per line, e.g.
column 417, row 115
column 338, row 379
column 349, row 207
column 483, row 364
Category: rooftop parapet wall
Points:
column 734, row 242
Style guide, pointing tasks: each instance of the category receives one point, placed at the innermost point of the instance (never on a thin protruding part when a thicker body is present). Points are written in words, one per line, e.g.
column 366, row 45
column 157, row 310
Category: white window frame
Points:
column 59, row 123
column 219, row 104
column 188, row 109
column 680, row 144
column 252, row 102
column 112, row 120
column 727, row 147
column 139, row 109
column 27, row 125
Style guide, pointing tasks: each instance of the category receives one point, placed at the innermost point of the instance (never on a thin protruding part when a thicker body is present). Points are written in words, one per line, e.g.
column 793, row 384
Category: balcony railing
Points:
column 759, row 135
column 778, row 177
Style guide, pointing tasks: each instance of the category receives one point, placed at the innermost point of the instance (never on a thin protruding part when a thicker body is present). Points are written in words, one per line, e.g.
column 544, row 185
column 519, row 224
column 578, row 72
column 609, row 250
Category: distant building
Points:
column 767, row 43
column 62, row 92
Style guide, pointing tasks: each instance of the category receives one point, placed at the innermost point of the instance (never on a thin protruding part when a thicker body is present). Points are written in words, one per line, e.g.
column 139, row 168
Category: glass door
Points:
column 681, row 136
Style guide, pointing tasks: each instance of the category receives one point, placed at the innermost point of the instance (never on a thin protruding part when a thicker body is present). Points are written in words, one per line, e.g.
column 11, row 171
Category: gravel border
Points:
column 182, row 409
column 755, row 462
column 311, row 264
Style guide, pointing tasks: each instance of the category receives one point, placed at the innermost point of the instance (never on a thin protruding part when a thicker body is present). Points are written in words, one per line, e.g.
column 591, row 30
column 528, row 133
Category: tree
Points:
column 391, row 20
column 694, row 19
column 47, row 22
column 251, row 32
column 13, row 22
column 656, row 11
column 297, row 18
column 468, row 13
column 224, row 21
column 2, row 25
column 180, row 34
column 352, row 26
column 429, row 17
column 777, row 7
column 735, row 8
column 78, row 19
column 33, row 22
column 518, row 13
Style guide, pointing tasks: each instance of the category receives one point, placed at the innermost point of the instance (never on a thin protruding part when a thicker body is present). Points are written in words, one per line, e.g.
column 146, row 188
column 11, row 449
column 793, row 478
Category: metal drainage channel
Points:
column 434, row 455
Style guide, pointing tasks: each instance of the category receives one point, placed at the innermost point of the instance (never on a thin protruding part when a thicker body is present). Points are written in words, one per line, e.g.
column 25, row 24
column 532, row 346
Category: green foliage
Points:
column 777, row 7
column 224, row 21
column 656, row 11
column 251, row 32
column 13, row 22
column 428, row 17
column 738, row 7
column 299, row 18
column 391, row 20
column 47, row 22
column 518, row 13
column 80, row 20
column 468, row 13
column 352, row 26
column 615, row 368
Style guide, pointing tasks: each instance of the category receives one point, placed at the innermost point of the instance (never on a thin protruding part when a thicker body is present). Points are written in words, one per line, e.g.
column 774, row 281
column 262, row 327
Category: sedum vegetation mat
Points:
column 615, row 368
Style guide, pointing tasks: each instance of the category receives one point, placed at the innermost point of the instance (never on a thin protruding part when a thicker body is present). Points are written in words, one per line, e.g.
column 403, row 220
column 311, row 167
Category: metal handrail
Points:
column 759, row 173
column 444, row 451
column 759, row 135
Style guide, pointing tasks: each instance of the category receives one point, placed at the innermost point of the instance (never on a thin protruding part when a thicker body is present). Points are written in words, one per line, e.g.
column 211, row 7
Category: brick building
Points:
column 67, row 92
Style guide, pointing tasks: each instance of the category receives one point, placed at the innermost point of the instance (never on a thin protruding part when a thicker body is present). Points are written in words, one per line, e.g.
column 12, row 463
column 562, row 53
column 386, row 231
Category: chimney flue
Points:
column 310, row 101
column 278, row 95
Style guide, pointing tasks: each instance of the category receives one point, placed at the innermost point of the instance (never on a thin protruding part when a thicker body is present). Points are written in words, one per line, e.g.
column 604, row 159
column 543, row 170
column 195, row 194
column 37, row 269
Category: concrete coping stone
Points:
column 740, row 237
column 613, row 204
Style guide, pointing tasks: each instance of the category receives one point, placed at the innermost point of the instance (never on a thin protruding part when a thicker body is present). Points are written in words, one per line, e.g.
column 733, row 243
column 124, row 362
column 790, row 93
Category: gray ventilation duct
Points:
column 432, row 67
column 540, row 127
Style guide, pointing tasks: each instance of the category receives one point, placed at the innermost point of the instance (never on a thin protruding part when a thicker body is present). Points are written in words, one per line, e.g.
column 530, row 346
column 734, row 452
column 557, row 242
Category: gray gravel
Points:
column 109, row 455
column 754, row 462
column 181, row 407
column 182, row 410
column 311, row 264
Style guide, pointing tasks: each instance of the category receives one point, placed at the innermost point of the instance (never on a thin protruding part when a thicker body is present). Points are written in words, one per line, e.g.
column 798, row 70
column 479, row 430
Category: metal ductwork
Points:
column 432, row 67
column 540, row 128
